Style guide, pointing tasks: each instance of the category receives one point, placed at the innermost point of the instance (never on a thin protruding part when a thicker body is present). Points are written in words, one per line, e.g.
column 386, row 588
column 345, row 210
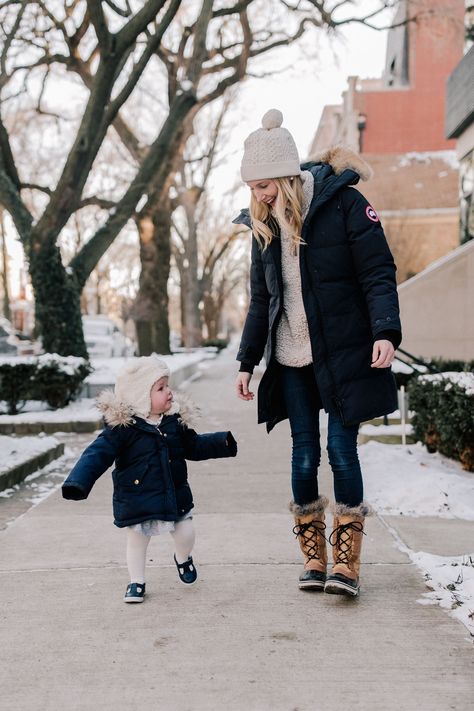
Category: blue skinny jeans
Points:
column 303, row 404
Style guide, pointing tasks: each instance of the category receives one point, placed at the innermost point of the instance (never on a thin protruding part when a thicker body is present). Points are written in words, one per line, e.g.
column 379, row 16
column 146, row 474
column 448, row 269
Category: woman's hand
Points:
column 382, row 354
column 242, row 386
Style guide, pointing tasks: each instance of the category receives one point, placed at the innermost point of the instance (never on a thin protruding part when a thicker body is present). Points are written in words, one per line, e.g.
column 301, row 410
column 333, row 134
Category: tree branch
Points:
column 21, row 216
column 96, row 14
column 139, row 22
column 11, row 36
column 199, row 42
column 151, row 47
column 123, row 13
column 234, row 10
column 7, row 161
column 158, row 155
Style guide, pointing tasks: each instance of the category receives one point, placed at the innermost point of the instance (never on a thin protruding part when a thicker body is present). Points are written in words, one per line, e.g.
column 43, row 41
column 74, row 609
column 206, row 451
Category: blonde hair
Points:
column 287, row 212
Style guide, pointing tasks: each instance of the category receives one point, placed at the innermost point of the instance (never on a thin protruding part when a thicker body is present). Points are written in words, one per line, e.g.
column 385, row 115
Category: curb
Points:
column 30, row 428
column 15, row 475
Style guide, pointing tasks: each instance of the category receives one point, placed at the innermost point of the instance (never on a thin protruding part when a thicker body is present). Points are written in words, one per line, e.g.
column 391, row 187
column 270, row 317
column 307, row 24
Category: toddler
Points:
column 149, row 439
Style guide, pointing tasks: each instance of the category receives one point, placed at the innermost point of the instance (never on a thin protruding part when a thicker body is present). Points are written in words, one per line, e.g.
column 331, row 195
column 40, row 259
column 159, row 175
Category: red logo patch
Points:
column 371, row 214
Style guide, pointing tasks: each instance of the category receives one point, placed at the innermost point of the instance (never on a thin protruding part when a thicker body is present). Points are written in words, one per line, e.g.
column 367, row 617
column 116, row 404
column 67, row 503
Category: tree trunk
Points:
column 211, row 316
column 57, row 303
column 150, row 311
column 5, row 271
column 191, row 327
column 191, row 293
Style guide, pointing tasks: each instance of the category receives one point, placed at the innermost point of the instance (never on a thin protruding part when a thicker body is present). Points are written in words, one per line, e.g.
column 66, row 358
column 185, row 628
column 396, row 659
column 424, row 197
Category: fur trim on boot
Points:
column 363, row 509
column 340, row 158
column 314, row 507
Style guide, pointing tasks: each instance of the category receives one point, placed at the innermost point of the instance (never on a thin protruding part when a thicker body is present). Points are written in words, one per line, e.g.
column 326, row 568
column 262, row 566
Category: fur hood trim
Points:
column 340, row 158
column 314, row 507
column 118, row 414
column 364, row 509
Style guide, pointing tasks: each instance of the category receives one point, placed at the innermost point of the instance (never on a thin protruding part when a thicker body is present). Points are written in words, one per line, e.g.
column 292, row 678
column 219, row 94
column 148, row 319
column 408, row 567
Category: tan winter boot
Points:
column 346, row 540
column 309, row 530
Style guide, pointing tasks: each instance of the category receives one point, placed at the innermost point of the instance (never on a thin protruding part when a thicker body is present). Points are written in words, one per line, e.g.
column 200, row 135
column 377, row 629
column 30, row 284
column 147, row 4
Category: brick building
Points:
column 397, row 122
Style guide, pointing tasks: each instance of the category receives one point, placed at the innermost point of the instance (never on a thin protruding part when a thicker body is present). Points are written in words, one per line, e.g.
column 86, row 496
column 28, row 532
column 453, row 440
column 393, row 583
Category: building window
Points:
column 466, row 174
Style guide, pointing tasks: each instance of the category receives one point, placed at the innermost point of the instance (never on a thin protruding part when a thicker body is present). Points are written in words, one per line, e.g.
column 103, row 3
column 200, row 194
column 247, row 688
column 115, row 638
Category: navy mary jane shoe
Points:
column 135, row 592
column 186, row 571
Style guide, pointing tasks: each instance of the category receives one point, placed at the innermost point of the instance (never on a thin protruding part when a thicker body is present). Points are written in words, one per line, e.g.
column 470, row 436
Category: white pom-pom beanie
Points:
column 270, row 151
column 135, row 380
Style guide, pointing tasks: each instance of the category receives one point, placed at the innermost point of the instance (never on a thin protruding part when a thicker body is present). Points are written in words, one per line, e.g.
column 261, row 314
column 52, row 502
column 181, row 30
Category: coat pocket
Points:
column 135, row 480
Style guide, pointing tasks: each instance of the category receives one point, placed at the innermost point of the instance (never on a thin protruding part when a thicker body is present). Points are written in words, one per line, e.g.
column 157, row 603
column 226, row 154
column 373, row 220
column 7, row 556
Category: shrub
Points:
column 49, row 377
column 444, row 414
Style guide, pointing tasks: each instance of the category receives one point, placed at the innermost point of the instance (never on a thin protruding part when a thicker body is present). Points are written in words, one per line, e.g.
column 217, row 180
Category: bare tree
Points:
column 109, row 49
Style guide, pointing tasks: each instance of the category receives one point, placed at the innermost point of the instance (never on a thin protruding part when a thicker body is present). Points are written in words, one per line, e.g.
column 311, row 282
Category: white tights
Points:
column 137, row 544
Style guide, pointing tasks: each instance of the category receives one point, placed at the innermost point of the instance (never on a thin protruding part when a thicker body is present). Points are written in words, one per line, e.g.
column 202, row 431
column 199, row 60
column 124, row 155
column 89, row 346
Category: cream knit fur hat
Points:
column 270, row 152
column 135, row 380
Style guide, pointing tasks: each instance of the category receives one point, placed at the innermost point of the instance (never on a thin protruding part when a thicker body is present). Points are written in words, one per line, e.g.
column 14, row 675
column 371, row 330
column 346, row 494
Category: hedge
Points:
column 52, row 378
column 444, row 414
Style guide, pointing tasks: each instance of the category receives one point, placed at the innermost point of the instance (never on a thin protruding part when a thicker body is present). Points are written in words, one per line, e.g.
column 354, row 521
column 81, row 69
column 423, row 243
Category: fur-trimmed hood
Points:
column 119, row 414
column 342, row 158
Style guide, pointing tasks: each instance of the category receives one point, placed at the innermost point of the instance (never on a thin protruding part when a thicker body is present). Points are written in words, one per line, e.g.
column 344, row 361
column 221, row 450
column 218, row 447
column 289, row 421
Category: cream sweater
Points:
column 293, row 346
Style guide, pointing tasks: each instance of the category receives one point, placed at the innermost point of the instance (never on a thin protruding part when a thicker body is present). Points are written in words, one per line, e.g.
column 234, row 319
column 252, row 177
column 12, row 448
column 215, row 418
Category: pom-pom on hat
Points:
column 135, row 380
column 270, row 151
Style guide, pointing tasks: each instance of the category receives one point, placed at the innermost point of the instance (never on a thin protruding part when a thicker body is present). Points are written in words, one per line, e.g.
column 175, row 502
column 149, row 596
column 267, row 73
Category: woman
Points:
column 324, row 312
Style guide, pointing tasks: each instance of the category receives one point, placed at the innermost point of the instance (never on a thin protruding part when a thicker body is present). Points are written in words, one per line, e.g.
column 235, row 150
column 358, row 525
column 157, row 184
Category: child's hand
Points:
column 242, row 386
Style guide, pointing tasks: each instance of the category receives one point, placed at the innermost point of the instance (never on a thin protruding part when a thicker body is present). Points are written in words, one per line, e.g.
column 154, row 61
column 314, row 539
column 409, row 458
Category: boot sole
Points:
column 340, row 588
column 133, row 599
column 311, row 586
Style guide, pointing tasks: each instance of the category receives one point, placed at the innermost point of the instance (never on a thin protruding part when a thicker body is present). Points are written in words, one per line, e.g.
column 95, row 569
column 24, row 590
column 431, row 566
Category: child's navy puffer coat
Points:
column 150, row 476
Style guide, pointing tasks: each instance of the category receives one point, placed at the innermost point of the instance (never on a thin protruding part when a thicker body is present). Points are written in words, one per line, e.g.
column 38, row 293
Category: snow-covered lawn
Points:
column 385, row 430
column 409, row 481
column 412, row 482
column 82, row 410
column 17, row 450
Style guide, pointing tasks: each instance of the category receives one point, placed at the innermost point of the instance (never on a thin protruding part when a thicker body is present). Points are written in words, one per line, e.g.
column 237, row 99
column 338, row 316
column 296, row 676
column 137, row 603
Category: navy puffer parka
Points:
column 150, row 476
column 349, row 295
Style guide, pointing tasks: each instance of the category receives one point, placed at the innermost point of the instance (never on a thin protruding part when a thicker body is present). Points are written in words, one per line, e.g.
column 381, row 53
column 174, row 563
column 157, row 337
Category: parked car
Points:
column 104, row 339
column 8, row 338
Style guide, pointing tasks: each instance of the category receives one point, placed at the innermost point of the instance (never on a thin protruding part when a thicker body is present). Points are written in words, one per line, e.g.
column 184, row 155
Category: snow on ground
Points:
column 17, row 450
column 452, row 584
column 36, row 487
column 408, row 480
column 385, row 430
column 83, row 410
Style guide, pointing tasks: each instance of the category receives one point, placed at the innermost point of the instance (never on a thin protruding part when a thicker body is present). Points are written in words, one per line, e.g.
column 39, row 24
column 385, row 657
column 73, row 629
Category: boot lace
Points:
column 341, row 538
column 310, row 533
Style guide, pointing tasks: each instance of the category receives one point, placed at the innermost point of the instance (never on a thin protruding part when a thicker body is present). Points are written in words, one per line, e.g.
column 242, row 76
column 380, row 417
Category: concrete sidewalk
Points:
column 245, row 638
